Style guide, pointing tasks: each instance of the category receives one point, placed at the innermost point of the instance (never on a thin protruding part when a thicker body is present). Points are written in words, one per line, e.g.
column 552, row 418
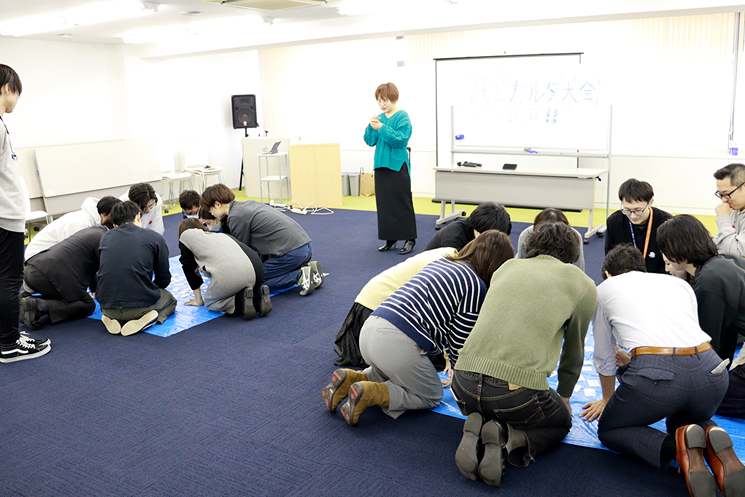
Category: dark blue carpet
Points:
column 234, row 408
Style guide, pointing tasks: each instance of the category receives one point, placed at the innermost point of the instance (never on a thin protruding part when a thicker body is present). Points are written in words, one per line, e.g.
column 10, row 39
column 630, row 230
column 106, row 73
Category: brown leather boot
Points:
column 338, row 389
column 724, row 463
column 690, row 441
column 362, row 395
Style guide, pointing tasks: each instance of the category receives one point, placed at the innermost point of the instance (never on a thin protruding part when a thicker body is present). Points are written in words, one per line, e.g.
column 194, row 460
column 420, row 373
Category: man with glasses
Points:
column 730, row 238
column 637, row 222
column 150, row 203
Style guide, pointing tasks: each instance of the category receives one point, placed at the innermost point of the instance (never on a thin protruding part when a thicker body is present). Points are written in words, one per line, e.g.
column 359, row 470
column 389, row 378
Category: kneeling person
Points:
column 535, row 315
column 62, row 275
column 283, row 244
column 235, row 271
column 672, row 372
column 131, row 298
column 433, row 311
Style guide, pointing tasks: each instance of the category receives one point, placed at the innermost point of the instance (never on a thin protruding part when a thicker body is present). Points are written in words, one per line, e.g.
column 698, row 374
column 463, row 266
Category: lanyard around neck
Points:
column 649, row 232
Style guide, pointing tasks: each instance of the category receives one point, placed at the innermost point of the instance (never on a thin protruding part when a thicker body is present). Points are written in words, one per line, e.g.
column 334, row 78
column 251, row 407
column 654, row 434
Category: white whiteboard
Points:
column 519, row 102
column 85, row 167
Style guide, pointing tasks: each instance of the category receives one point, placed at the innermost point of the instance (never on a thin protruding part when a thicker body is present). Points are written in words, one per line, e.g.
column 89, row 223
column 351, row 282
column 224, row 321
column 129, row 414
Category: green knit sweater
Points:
column 531, row 306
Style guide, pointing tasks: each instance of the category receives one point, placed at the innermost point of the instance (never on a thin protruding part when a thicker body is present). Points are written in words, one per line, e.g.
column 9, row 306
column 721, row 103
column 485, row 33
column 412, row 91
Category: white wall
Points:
column 78, row 92
column 669, row 80
column 72, row 92
column 670, row 77
column 189, row 97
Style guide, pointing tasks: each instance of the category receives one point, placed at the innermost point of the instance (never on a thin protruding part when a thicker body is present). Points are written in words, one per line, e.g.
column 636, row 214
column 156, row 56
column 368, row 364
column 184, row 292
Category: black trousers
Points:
column 679, row 388
column 11, row 278
column 540, row 414
column 59, row 308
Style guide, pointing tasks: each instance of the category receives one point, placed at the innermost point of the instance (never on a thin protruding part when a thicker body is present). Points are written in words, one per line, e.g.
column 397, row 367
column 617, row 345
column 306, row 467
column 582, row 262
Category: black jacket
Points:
column 134, row 266
column 720, row 291
column 619, row 232
column 71, row 264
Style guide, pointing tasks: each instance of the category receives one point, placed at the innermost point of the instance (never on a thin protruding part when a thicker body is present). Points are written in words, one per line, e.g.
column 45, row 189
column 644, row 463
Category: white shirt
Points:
column 153, row 220
column 638, row 309
column 62, row 227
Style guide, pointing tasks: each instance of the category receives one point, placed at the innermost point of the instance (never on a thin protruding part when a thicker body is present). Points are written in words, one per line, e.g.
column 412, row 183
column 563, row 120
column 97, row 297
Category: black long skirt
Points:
column 396, row 219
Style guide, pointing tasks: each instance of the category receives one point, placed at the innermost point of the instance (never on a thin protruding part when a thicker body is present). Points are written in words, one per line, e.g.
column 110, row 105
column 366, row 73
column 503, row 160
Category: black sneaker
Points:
column 38, row 343
column 22, row 350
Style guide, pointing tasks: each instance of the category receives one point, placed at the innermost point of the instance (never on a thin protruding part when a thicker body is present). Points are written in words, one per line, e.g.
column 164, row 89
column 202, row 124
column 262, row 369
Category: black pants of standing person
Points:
column 540, row 414
column 11, row 278
column 59, row 309
column 682, row 389
column 396, row 219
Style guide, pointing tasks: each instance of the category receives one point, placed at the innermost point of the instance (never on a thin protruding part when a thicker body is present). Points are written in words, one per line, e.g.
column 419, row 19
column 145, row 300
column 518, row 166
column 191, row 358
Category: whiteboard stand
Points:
column 444, row 218
column 446, row 181
column 282, row 176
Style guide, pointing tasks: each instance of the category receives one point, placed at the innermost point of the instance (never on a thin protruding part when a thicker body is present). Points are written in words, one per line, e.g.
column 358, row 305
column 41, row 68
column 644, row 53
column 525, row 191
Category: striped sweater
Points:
column 438, row 307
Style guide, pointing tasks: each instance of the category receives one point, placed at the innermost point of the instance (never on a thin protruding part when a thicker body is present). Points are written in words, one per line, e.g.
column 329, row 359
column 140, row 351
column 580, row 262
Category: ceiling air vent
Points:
column 269, row 4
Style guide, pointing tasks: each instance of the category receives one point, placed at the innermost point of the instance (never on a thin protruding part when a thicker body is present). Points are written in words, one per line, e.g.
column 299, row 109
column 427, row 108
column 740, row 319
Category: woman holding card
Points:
column 389, row 133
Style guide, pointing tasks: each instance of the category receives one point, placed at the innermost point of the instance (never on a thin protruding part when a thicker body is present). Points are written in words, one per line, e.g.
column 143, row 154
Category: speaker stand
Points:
column 240, row 178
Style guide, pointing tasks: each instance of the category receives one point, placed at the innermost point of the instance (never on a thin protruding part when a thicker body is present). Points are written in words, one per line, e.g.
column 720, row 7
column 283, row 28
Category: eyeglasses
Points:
column 728, row 195
column 636, row 212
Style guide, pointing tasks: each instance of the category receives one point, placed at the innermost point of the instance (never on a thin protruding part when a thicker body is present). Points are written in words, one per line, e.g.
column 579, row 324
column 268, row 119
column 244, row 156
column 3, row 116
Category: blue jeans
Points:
column 540, row 414
column 284, row 271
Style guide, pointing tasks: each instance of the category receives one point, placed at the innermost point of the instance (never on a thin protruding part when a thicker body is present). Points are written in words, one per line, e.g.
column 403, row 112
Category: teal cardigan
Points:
column 390, row 141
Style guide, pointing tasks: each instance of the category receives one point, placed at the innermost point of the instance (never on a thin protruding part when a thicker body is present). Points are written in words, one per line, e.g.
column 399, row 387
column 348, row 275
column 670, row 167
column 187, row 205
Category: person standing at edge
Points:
column 389, row 133
column 13, row 346
column 637, row 222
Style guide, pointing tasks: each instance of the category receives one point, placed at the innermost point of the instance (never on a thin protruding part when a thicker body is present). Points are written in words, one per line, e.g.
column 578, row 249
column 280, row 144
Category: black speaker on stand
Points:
column 244, row 116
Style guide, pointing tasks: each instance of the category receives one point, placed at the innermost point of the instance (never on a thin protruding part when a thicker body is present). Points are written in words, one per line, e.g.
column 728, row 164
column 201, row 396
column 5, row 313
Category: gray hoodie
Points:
column 12, row 203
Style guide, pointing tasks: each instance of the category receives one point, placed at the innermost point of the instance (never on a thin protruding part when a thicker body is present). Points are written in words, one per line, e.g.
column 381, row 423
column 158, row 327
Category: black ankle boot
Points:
column 389, row 244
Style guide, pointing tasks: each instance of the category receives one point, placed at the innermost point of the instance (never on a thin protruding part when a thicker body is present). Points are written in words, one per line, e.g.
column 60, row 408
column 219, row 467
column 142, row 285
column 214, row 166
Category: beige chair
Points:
column 32, row 216
column 196, row 161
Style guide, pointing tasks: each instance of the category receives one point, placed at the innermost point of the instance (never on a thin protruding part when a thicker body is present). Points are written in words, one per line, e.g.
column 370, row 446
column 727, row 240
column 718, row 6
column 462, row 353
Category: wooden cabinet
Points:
column 315, row 170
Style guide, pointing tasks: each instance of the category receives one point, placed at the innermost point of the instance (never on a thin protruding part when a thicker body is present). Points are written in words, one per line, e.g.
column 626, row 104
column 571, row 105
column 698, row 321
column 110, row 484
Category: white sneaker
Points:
column 305, row 282
column 112, row 325
column 316, row 273
column 135, row 325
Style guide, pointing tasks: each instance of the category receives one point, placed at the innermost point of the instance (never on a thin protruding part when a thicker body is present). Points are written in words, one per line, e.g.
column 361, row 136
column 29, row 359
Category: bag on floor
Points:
column 367, row 183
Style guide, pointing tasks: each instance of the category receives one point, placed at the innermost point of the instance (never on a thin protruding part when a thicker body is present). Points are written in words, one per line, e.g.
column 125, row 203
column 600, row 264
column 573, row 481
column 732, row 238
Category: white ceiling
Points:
column 223, row 27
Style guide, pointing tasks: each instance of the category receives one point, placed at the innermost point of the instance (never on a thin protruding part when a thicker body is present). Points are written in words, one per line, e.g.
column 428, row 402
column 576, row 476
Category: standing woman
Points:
column 13, row 346
column 389, row 133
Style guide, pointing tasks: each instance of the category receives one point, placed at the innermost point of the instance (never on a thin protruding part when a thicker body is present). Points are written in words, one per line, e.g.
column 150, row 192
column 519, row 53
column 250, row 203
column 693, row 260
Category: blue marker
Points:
column 458, row 137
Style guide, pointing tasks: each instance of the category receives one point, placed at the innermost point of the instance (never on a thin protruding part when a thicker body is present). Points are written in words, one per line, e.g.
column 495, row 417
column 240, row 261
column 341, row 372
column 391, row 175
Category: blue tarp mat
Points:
column 588, row 388
column 186, row 316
